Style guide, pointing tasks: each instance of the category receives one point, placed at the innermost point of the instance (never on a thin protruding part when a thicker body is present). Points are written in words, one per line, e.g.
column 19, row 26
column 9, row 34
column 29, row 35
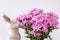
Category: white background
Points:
column 13, row 8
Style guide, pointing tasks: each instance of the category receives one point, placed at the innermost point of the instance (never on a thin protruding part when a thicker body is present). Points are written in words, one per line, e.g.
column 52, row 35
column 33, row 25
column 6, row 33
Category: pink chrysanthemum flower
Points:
column 38, row 21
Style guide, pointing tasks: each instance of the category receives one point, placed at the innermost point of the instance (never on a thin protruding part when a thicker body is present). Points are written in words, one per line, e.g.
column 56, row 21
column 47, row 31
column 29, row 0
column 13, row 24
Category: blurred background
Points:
column 13, row 8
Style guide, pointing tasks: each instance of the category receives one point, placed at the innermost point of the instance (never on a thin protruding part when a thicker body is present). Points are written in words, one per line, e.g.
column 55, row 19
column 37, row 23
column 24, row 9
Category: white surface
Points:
column 13, row 8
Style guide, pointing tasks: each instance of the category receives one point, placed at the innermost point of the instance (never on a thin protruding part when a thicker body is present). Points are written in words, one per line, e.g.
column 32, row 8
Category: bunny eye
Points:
column 13, row 22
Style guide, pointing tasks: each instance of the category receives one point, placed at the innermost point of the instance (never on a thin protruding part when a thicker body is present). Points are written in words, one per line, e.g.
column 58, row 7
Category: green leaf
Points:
column 28, row 27
column 50, row 29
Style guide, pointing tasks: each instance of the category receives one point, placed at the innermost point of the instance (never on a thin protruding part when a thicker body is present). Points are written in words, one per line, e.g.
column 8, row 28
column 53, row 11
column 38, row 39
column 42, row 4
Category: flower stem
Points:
column 50, row 37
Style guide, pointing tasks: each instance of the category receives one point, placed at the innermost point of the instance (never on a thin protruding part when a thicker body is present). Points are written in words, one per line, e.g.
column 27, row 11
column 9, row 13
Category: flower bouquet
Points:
column 38, row 24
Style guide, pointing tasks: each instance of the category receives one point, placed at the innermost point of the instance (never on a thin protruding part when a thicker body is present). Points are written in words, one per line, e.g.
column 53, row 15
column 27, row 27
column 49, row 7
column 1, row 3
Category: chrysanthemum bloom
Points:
column 37, row 23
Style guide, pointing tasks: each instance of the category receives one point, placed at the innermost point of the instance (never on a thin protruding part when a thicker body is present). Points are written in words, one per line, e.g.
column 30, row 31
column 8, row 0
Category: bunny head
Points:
column 13, row 23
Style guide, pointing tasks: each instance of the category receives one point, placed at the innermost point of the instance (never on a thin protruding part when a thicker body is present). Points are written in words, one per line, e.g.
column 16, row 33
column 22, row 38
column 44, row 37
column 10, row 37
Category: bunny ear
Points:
column 6, row 18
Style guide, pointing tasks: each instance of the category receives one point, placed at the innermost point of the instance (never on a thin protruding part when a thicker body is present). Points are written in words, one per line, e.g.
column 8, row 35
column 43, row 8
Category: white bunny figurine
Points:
column 14, row 28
